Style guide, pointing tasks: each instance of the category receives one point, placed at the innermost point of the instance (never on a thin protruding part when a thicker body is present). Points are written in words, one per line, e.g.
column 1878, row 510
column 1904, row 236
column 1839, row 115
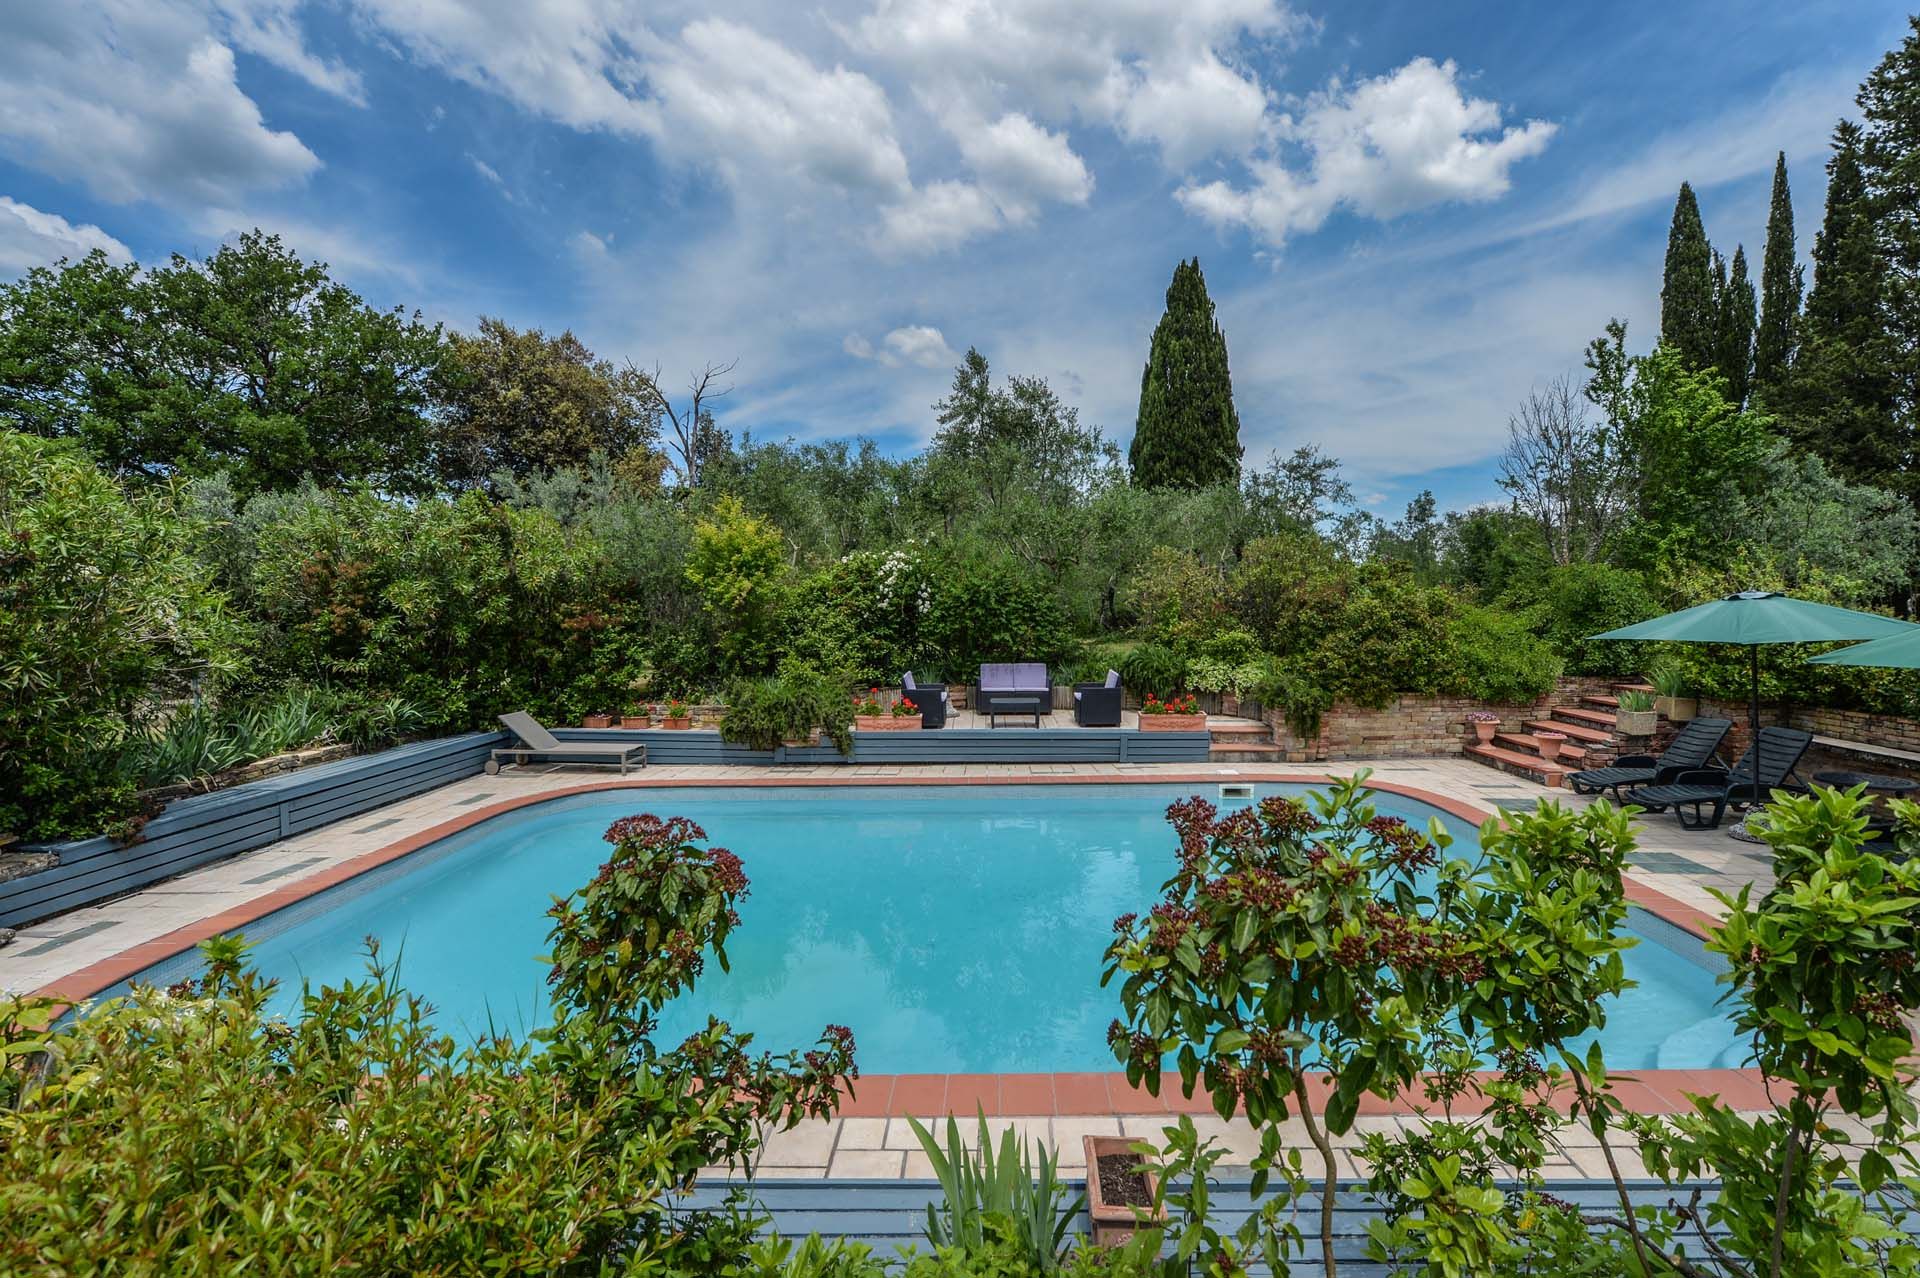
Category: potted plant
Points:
column 636, row 717
column 872, row 714
column 597, row 721
column 1175, row 714
column 793, row 709
column 1484, row 724
column 675, row 716
column 1670, row 694
column 1121, row 1190
column 1636, row 716
column 1549, row 743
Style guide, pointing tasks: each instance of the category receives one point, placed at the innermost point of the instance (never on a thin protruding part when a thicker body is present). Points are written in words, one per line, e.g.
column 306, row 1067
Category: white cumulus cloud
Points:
column 1383, row 147
column 136, row 100
column 29, row 238
column 938, row 216
column 1020, row 164
column 920, row 345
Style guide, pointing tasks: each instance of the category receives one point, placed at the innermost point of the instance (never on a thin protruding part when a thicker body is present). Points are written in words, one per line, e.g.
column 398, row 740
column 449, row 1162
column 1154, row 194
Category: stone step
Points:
column 1574, row 731
column 1588, row 717
column 1530, row 766
column 1633, row 686
column 1525, row 743
column 1246, row 752
column 1601, row 703
column 1238, row 732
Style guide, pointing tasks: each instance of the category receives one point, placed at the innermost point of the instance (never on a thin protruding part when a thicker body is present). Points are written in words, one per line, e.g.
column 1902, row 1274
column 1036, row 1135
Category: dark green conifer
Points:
column 1187, row 434
column 1781, row 286
column 1733, row 326
column 1686, row 291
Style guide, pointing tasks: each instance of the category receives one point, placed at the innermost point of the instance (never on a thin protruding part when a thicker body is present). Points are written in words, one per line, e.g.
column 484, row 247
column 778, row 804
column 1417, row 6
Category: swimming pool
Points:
column 956, row 929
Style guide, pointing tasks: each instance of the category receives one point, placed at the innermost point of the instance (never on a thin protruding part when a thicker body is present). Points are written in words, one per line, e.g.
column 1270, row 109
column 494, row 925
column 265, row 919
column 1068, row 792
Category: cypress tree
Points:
column 1841, row 397
column 1733, row 326
column 1686, row 290
column 1187, row 434
column 1890, row 168
column 1780, row 288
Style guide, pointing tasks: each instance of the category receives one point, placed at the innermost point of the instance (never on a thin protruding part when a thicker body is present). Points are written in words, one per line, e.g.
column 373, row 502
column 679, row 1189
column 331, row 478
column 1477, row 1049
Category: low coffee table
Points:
column 1013, row 705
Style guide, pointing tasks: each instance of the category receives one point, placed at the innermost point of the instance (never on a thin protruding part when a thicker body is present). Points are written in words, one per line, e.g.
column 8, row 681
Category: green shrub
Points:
column 200, row 741
column 986, row 610
column 1019, row 1189
column 1567, row 604
column 762, row 713
column 103, row 615
column 1155, row 669
column 1498, row 658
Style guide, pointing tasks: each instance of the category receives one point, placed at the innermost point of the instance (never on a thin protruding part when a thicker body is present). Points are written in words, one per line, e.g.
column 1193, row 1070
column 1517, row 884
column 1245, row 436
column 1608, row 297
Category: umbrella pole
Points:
column 1753, row 702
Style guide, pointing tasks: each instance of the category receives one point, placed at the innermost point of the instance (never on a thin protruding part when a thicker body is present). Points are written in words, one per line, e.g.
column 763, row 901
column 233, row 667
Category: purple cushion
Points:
column 996, row 678
column 1113, row 678
column 907, row 679
column 1030, row 676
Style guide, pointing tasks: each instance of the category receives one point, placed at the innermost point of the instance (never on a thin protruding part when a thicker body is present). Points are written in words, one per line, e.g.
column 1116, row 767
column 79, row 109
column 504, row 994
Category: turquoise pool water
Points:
column 955, row 929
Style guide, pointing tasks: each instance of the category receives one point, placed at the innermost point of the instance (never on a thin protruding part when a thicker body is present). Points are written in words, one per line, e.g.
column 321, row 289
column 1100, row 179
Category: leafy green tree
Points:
column 520, row 401
column 996, row 443
column 104, row 615
column 1842, row 399
column 1686, row 289
column 738, row 565
column 1187, row 433
column 252, row 361
column 1734, row 323
column 1781, row 286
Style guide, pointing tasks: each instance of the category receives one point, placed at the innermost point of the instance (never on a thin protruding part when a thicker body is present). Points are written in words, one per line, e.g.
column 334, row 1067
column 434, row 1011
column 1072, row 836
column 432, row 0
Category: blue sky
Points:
column 1408, row 213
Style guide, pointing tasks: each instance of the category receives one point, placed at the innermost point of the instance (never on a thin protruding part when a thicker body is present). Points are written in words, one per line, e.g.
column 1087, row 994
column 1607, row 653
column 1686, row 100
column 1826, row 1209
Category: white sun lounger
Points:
column 537, row 743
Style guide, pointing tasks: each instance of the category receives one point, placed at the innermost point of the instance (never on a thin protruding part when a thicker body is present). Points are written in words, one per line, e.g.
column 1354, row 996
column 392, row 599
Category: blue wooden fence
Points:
column 890, row 1214
column 195, row 831
column 942, row 745
column 192, row 832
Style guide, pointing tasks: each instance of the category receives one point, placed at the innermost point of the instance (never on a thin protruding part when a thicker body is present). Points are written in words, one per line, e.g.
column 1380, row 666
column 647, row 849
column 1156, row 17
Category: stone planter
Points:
column 677, row 725
column 1549, row 743
column 1678, row 709
column 1173, row 723
column 886, row 722
column 1636, row 723
column 597, row 721
column 631, row 721
column 1119, row 1194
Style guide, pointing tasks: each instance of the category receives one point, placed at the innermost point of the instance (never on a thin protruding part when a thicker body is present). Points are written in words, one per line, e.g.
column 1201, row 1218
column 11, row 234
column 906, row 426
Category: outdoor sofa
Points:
column 930, row 697
column 537, row 743
column 1013, row 681
column 1695, row 746
column 1706, row 793
column 1097, row 705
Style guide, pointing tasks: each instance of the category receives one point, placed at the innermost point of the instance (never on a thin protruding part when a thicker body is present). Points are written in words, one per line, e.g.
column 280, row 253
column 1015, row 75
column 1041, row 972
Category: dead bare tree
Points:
column 693, row 426
column 1573, row 476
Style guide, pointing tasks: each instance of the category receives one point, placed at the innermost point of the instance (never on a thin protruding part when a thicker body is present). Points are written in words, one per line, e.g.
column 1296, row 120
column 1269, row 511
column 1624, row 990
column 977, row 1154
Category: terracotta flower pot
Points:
column 1484, row 729
column 636, row 721
column 1173, row 723
column 886, row 722
column 597, row 721
column 680, row 724
column 1119, row 1199
column 1549, row 743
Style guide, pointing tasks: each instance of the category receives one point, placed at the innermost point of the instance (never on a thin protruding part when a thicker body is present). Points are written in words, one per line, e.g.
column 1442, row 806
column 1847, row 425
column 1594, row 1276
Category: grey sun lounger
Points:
column 537, row 743
column 1694, row 746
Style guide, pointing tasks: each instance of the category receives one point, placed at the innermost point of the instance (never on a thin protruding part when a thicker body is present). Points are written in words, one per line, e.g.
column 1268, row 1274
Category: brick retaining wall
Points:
column 1413, row 726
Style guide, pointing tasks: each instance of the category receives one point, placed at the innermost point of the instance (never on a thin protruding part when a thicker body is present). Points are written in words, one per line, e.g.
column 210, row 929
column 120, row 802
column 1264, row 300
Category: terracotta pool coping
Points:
column 887, row 1095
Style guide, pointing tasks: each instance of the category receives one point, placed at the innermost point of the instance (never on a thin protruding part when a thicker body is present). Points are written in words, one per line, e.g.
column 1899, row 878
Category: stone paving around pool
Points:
column 1681, row 864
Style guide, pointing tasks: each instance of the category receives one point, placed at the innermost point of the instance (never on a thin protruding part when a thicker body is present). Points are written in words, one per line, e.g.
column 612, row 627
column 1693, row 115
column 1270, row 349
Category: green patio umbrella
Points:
column 1895, row 652
column 1755, row 617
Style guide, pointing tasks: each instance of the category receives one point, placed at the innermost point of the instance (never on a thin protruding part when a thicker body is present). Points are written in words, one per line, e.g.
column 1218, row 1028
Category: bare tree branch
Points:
column 1572, row 476
column 691, row 425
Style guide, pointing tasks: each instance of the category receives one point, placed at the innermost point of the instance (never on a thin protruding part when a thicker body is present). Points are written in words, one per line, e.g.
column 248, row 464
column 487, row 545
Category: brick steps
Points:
column 1601, row 703
column 1604, row 719
column 1530, row 766
column 1525, row 743
column 1574, row 732
column 1247, row 752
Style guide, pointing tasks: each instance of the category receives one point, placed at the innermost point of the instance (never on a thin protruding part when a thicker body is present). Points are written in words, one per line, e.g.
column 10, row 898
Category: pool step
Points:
column 1530, row 766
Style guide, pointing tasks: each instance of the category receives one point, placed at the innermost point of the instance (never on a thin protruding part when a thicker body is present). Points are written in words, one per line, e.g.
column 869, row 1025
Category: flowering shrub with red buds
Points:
column 1183, row 704
column 1318, row 934
column 638, row 935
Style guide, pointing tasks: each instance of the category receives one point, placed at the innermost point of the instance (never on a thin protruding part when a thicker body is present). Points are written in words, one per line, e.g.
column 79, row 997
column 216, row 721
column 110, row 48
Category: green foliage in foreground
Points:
column 189, row 1132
